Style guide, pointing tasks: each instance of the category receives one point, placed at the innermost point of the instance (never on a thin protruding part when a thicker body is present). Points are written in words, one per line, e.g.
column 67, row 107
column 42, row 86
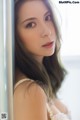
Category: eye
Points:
column 31, row 25
column 48, row 18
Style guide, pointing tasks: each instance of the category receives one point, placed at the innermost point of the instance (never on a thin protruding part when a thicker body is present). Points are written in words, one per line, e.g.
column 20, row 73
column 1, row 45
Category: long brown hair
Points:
column 49, row 75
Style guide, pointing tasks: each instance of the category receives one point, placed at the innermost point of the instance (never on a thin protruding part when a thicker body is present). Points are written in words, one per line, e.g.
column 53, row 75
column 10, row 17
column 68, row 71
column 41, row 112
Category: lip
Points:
column 48, row 45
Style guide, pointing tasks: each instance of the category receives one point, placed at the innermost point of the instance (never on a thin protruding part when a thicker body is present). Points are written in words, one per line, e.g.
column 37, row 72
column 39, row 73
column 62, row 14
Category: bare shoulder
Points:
column 29, row 88
column 29, row 102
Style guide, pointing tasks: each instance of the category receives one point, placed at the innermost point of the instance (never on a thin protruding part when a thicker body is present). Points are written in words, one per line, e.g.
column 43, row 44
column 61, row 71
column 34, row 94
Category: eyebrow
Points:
column 33, row 18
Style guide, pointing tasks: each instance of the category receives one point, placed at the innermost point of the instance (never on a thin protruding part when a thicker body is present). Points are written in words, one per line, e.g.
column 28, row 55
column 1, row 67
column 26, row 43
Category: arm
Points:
column 29, row 103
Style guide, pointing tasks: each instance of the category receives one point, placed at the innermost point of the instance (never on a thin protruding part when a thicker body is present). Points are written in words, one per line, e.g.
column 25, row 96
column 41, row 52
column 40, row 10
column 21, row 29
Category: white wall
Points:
column 69, row 17
column 69, row 92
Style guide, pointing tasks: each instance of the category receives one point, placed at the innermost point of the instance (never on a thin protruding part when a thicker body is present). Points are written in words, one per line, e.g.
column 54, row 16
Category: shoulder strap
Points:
column 21, row 81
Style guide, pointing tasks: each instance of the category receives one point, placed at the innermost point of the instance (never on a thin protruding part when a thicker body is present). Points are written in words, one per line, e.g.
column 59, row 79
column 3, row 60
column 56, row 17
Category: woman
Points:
column 38, row 71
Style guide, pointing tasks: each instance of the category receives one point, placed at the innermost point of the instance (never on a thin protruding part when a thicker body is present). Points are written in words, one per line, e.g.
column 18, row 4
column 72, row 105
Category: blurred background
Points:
column 69, row 18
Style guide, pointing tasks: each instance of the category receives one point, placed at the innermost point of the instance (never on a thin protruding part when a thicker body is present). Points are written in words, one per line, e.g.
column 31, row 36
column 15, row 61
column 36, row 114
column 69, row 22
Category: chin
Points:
column 49, row 54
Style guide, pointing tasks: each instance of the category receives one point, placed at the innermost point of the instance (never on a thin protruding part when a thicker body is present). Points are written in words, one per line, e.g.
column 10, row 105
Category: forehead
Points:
column 32, row 8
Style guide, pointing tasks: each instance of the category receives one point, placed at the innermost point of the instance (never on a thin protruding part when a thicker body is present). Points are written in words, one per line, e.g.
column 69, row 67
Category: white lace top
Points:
column 59, row 116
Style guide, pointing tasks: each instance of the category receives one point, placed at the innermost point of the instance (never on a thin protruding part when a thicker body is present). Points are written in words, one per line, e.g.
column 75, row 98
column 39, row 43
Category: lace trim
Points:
column 59, row 116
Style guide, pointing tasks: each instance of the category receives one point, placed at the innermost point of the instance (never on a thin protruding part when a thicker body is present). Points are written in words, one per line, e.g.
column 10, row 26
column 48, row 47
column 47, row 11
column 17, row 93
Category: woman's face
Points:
column 36, row 30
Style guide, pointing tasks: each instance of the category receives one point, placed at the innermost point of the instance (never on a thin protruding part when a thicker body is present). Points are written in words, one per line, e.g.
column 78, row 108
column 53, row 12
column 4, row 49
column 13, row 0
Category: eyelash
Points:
column 48, row 18
column 33, row 24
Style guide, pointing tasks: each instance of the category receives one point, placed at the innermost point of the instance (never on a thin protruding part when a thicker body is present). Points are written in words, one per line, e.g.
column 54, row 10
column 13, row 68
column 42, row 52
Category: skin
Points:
column 35, row 29
column 30, row 104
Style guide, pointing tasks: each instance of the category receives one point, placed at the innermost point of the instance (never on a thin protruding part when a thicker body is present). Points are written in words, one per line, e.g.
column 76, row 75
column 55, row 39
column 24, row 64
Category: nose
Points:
column 45, row 31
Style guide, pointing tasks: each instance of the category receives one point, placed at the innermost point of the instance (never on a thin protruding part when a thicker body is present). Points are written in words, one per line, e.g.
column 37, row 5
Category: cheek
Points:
column 53, row 30
column 28, row 38
column 54, row 36
column 54, row 33
column 24, row 36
